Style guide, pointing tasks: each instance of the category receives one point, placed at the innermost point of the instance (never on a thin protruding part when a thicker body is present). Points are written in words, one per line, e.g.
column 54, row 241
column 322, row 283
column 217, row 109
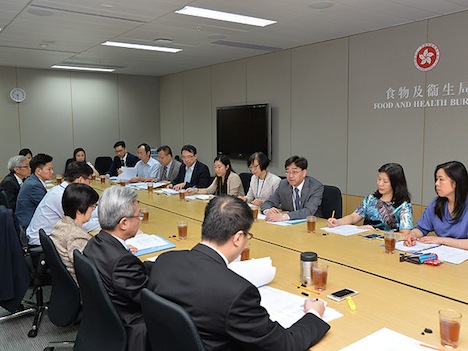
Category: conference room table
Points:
column 400, row 296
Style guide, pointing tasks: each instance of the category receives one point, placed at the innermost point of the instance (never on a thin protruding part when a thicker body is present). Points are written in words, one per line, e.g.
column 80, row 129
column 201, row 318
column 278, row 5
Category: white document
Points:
column 345, row 230
column 138, row 186
column 258, row 271
column 286, row 308
column 127, row 173
column 167, row 191
column 387, row 340
column 449, row 254
column 400, row 246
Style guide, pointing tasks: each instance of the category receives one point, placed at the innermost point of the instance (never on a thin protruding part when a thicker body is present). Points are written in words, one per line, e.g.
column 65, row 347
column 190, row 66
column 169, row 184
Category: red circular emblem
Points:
column 426, row 57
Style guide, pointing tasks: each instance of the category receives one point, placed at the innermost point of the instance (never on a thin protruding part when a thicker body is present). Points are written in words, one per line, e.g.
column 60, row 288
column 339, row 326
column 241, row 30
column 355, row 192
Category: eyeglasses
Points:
column 293, row 173
column 250, row 235
column 188, row 157
column 252, row 167
column 23, row 166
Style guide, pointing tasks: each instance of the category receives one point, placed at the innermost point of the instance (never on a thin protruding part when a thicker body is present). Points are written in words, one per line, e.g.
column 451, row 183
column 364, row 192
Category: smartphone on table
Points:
column 342, row 294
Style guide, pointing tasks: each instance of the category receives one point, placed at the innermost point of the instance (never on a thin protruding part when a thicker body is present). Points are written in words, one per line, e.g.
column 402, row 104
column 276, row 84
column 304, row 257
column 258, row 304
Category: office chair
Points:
column 4, row 198
column 64, row 305
column 170, row 327
column 17, row 264
column 102, row 164
column 69, row 160
column 331, row 201
column 101, row 327
column 245, row 178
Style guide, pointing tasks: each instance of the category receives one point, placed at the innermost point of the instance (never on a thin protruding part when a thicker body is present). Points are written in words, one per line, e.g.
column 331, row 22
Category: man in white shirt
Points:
column 147, row 168
column 50, row 210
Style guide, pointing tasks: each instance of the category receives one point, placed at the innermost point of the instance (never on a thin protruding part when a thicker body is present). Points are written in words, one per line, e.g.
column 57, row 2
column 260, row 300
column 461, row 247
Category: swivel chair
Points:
column 64, row 305
column 245, row 178
column 102, row 164
column 170, row 327
column 101, row 327
column 331, row 201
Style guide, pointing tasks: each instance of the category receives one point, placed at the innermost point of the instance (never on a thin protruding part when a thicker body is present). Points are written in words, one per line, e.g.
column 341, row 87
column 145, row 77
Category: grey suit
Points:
column 311, row 199
column 172, row 171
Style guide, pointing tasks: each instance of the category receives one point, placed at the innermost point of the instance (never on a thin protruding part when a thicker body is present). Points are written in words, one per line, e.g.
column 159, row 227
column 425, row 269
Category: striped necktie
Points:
column 297, row 199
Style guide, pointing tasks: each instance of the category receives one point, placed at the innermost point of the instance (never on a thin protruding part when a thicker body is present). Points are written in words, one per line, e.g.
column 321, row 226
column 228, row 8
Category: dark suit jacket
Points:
column 31, row 193
column 117, row 163
column 200, row 176
column 311, row 199
column 172, row 172
column 14, row 273
column 11, row 187
column 124, row 276
column 224, row 306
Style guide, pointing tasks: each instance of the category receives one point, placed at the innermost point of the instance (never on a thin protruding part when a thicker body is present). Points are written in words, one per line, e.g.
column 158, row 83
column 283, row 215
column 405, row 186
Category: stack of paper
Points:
column 127, row 173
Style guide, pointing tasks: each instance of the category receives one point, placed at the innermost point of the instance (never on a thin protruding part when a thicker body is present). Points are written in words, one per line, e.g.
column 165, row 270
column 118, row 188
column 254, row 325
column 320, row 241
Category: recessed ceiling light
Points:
column 224, row 16
column 78, row 68
column 321, row 4
column 141, row 47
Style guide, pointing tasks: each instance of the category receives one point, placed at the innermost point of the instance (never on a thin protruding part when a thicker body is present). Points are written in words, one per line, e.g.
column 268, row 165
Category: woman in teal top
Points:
column 389, row 208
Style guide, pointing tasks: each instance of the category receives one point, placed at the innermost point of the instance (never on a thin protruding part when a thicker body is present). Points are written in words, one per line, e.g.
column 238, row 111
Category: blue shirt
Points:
column 446, row 227
column 149, row 169
column 383, row 215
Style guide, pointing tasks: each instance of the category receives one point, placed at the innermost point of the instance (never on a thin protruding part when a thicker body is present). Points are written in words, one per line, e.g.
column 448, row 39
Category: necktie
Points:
column 123, row 162
column 164, row 175
column 297, row 199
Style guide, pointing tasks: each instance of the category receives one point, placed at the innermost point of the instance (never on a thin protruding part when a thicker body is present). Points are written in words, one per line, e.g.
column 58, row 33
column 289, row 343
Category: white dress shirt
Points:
column 50, row 211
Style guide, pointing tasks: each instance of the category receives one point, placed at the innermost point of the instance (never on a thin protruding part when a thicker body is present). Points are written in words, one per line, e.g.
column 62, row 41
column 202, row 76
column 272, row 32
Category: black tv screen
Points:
column 243, row 130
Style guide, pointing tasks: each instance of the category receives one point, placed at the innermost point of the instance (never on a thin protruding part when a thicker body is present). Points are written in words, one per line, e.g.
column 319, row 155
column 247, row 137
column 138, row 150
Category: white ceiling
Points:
column 41, row 33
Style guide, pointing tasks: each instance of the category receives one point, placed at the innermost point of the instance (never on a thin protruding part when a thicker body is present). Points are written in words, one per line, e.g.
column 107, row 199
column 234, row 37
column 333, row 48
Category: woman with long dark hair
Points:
column 226, row 181
column 388, row 208
column 79, row 155
column 447, row 214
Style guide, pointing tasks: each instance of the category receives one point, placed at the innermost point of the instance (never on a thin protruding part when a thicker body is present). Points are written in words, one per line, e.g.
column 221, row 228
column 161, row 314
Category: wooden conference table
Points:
column 401, row 296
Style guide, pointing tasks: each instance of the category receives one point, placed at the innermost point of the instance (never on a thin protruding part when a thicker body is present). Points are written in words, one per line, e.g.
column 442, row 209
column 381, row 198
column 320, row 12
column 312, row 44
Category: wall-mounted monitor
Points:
column 243, row 130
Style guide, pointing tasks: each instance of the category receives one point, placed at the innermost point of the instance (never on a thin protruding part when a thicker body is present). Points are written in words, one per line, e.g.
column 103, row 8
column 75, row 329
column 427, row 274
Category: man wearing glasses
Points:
column 123, row 274
column 50, row 210
column 298, row 196
column 224, row 306
column 192, row 173
column 169, row 166
column 11, row 184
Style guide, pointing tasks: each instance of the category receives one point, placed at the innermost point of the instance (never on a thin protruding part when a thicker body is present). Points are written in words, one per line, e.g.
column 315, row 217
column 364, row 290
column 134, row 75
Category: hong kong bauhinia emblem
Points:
column 426, row 57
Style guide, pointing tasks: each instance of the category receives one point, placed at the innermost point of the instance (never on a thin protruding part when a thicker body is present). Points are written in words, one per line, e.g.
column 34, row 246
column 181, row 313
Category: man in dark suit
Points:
column 33, row 189
column 122, row 159
column 224, row 306
column 169, row 166
column 298, row 195
column 11, row 184
column 192, row 173
column 123, row 274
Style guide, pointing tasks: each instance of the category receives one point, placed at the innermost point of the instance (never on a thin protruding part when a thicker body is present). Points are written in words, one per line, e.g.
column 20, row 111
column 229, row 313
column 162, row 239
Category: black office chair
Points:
column 18, row 263
column 170, row 327
column 4, row 198
column 331, row 201
column 101, row 327
column 69, row 160
column 102, row 164
column 64, row 305
column 245, row 178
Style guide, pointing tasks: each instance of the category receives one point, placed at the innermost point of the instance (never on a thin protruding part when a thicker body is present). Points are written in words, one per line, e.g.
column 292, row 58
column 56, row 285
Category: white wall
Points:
column 66, row 110
column 323, row 99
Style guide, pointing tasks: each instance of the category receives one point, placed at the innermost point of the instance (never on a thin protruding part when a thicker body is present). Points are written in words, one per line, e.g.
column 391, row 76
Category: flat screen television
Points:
column 243, row 130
